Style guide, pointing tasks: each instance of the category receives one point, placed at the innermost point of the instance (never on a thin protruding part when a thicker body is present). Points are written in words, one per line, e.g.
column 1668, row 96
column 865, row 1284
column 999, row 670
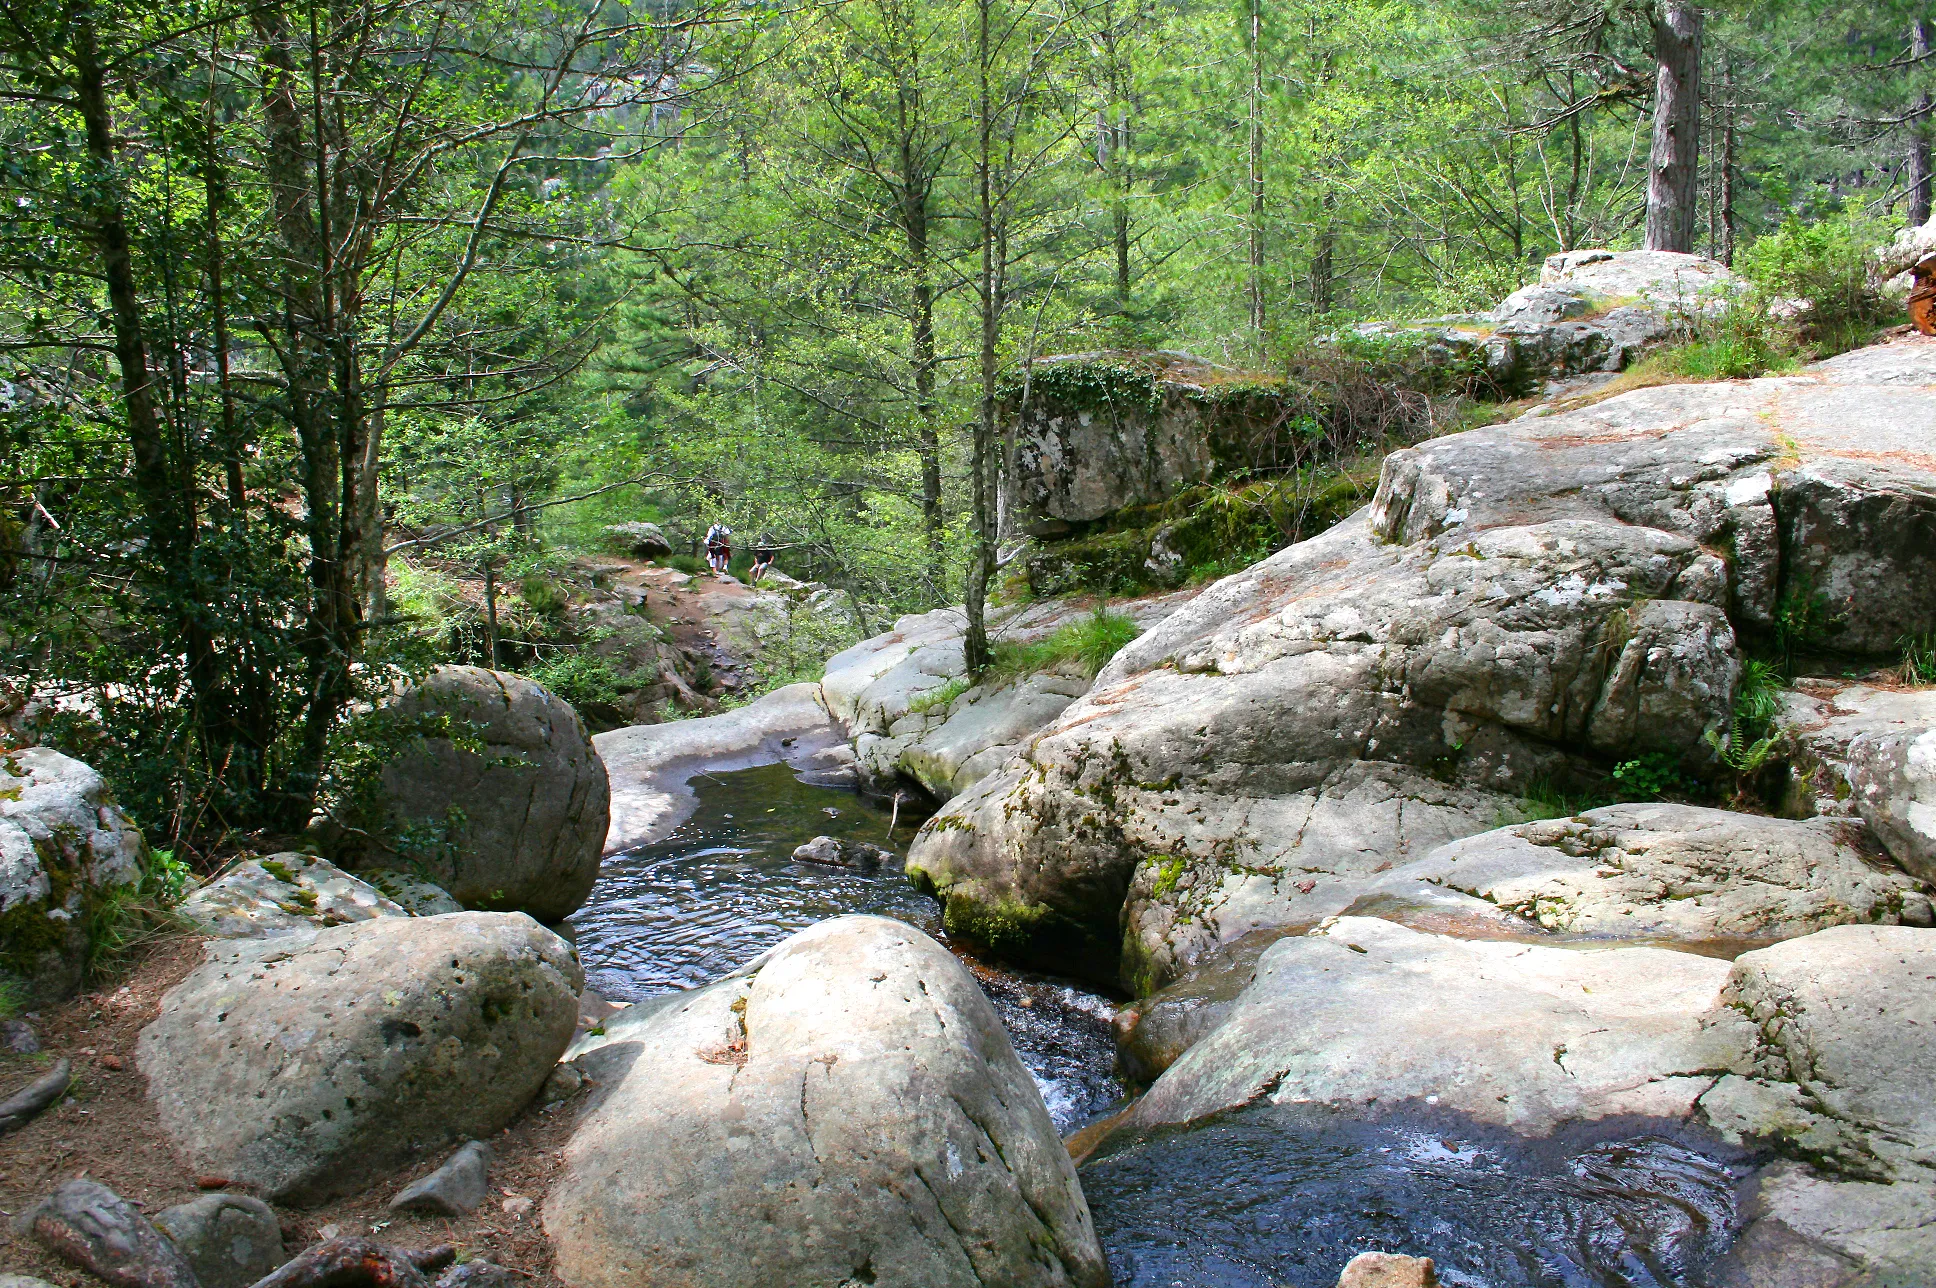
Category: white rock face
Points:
column 63, row 845
column 1855, row 749
column 1519, row 1035
column 1536, row 600
column 1679, row 873
column 846, row 1110
column 311, row 1065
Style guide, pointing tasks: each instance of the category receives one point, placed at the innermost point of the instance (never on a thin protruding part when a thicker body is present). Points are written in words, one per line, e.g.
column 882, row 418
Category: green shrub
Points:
column 1091, row 641
column 1826, row 263
column 1652, row 776
column 579, row 677
column 1739, row 342
column 691, row 564
column 542, row 594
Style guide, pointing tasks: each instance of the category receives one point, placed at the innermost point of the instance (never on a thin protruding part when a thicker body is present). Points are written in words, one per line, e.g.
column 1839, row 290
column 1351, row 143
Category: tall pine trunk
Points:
column 1674, row 164
column 1919, row 172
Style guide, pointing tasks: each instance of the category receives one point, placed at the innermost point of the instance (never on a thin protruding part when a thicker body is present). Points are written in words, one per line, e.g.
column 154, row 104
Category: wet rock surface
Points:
column 847, row 1109
column 310, row 1066
column 522, row 820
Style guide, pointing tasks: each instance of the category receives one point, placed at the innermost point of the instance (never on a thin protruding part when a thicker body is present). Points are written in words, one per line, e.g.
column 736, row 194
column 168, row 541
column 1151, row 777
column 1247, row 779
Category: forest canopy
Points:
column 295, row 296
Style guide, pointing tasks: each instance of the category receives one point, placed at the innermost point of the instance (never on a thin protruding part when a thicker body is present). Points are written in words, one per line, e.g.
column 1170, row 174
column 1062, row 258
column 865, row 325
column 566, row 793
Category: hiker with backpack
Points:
column 719, row 547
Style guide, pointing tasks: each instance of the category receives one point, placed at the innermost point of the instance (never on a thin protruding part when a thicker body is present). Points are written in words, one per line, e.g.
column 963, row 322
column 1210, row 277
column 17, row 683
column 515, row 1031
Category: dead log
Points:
column 360, row 1263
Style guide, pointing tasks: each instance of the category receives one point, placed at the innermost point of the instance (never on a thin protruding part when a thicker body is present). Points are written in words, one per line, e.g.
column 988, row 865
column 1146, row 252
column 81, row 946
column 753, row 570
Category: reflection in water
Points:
column 1285, row 1196
column 723, row 887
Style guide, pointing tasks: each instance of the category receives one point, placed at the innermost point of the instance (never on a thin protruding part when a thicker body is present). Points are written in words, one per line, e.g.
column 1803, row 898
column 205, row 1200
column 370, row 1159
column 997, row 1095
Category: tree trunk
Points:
column 1257, row 168
column 981, row 569
column 1919, row 173
column 1728, row 164
column 490, row 612
column 1673, row 168
column 914, row 226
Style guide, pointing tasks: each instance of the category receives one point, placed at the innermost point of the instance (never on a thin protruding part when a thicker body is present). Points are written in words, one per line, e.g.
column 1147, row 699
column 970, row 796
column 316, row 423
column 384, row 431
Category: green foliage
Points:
column 1829, row 264
column 14, row 997
column 352, row 796
column 1918, row 658
column 581, row 677
column 1543, row 799
column 1751, row 737
column 1089, row 642
column 691, row 565
column 1653, row 776
column 1805, row 622
column 1739, row 341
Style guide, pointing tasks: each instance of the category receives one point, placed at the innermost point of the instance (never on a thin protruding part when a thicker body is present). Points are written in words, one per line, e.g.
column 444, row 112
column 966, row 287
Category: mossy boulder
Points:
column 66, row 850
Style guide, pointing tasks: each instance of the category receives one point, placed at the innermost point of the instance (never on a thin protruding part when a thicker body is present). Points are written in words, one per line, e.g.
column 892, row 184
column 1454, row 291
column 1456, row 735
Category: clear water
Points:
column 1286, row 1196
column 1266, row 1198
column 723, row 888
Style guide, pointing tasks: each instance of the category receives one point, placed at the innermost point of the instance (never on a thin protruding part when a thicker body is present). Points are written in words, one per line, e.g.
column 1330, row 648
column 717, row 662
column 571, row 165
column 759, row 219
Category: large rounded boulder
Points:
column 507, row 804
column 310, row 1065
column 64, row 849
column 849, row 1111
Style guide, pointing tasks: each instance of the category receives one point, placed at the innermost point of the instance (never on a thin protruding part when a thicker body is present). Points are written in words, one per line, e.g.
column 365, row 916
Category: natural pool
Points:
column 1265, row 1198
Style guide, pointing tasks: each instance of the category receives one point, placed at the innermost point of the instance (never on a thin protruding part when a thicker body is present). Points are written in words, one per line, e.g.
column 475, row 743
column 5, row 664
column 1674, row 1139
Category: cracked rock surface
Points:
column 284, row 894
column 311, row 1065
column 1528, row 602
column 522, row 822
column 846, row 1110
column 1680, row 873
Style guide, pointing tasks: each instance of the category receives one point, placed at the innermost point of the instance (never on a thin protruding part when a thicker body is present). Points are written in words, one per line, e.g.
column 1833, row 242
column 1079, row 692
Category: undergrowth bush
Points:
column 1828, row 264
column 1918, row 666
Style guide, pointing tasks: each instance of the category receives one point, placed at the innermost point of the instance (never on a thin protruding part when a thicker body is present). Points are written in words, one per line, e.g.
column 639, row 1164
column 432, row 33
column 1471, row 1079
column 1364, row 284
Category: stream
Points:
column 1264, row 1198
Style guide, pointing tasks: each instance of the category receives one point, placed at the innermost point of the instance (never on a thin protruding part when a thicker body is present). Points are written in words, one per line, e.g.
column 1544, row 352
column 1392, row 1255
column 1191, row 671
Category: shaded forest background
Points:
column 309, row 310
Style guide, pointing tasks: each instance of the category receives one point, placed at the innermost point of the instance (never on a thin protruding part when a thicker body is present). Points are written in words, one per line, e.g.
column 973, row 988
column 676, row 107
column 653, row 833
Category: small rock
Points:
column 112, row 1062
column 473, row 1274
column 517, row 1206
column 90, row 1225
column 1388, row 1270
column 17, row 1036
column 230, row 1240
column 564, row 1083
column 23, row 1281
column 828, row 852
column 453, row 1189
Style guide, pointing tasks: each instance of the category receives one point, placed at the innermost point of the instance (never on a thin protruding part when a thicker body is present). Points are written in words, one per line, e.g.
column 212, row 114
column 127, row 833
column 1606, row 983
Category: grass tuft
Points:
column 1091, row 641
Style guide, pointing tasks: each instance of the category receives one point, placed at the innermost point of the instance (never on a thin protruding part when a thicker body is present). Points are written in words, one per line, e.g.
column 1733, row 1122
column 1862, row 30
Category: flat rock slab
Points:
column 310, row 1067
column 284, row 894
column 1679, row 873
column 1519, row 1035
column 849, row 1111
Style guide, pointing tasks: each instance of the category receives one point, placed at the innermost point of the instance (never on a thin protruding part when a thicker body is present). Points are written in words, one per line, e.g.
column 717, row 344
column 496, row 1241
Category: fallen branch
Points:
column 19, row 1109
column 360, row 1263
